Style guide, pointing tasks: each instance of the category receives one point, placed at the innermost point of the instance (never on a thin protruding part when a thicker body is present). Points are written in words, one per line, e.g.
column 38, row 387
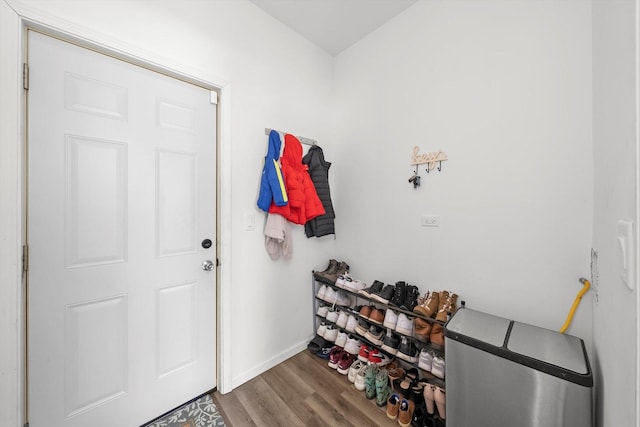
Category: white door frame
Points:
column 16, row 19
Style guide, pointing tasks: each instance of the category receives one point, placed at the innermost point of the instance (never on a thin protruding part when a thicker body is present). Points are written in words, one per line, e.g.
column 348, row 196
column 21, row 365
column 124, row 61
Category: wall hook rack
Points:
column 432, row 160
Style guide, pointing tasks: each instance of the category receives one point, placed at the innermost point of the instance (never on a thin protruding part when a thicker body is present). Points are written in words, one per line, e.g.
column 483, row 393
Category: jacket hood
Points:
column 315, row 155
column 292, row 153
column 273, row 152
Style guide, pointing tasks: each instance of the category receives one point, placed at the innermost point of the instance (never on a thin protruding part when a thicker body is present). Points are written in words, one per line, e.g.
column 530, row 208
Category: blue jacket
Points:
column 272, row 184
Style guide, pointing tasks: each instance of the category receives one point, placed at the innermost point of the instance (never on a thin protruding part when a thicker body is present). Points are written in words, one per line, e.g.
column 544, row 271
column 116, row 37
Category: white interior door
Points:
column 121, row 196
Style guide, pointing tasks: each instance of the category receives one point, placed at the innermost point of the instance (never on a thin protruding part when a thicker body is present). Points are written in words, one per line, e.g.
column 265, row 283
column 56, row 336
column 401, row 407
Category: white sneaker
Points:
column 322, row 292
column 342, row 319
column 353, row 370
column 425, row 360
column 332, row 316
column 359, row 382
column 404, row 325
column 342, row 279
column 341, row 340
column 354, row 286
column 322, row 328
column 331, row 334
column 330, row 295
column 352, row 322
column 380, row 359
column 437, row 367
column 322, row 310
column 342, row 299
column 352, row 346
column 390, row 319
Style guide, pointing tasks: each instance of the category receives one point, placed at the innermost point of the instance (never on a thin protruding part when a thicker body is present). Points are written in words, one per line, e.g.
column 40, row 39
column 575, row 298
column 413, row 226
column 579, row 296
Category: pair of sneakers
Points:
column 328, row 332
column 430, row 362
column 348, row 283
column 373, row 356
column 341, row 360
column 401, row 409
column 407, row 351
column 339, row 317
column 330, row 295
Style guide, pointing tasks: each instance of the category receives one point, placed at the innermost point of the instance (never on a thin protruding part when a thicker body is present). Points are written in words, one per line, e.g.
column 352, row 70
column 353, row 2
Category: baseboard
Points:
column 268, row 364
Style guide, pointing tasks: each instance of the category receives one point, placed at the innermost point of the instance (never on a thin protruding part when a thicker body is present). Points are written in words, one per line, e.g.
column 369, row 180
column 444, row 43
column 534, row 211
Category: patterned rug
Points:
column 201, row 412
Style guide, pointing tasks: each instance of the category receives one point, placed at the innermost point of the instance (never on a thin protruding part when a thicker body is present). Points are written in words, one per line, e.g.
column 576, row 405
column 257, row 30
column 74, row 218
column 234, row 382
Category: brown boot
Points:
column 442, row 306
column 331, row 268
column 453, row 303
column 430, row 305
column 342, row 268
column 421, row 329
column 331, row 275
column 437, row 336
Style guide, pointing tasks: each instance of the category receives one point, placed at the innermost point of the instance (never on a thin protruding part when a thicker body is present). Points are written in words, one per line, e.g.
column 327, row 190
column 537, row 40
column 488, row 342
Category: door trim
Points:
column 28, row 18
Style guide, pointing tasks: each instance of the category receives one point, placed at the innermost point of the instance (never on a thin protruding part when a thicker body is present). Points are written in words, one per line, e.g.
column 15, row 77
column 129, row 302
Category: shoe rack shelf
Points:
column 317, row 319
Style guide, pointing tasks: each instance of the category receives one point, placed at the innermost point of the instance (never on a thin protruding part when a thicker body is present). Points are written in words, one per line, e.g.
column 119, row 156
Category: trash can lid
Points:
column 479, row 326
column 563, row 351
column 562, row 356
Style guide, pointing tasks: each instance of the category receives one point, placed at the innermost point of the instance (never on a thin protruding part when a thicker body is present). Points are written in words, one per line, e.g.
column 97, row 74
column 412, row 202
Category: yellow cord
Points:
column 576, row 302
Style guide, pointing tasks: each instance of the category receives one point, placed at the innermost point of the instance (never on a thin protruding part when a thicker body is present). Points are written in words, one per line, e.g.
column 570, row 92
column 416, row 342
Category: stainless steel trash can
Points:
column 502, row 373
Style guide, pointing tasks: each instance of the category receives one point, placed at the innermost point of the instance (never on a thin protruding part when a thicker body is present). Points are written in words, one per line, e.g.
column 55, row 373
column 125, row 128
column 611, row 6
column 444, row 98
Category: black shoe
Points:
column 374, row 288
column 419, row 415
column 429, row 421
column 437, row 422
column 407, row 351
column 362, row 328
column 374, row 334
column 399, row 294
column 384, row 295
column 391, row 342
column 411, row 298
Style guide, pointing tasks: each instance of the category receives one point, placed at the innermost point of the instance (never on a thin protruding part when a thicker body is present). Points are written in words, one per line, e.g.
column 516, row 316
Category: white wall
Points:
column 278, row 80
column 504, row 88
column 615, row 186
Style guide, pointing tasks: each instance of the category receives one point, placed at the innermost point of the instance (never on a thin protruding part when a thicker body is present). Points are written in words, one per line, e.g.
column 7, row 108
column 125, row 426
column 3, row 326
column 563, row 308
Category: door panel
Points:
column 121, row 193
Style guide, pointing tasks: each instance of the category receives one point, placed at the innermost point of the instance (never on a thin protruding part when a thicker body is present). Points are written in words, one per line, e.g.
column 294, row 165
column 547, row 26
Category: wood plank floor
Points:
column 302, row 391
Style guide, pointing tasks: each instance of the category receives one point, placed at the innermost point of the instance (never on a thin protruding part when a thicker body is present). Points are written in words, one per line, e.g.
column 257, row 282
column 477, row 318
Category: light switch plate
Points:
column 626, row 253
column 249, row 222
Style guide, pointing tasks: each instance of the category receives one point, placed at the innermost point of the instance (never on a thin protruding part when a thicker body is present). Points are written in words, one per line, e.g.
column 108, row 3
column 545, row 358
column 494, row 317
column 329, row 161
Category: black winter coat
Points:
column 319, row 172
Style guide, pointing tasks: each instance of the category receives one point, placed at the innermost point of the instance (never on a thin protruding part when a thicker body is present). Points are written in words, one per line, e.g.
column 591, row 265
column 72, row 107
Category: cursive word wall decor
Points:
column 430, row 159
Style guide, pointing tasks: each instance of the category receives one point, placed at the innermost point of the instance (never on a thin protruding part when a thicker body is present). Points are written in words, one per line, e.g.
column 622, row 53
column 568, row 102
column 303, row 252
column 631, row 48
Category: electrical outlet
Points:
column 431, row 220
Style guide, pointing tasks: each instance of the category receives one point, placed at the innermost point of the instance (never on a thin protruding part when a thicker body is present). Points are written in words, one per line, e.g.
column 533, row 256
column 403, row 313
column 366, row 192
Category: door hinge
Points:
column 26, row 425
column 217, row 262
column 213, row 97
column 25, row 76
column 25, row 258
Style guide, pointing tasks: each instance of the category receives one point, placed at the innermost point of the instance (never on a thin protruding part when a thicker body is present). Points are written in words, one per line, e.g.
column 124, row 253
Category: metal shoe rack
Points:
column 358, row 299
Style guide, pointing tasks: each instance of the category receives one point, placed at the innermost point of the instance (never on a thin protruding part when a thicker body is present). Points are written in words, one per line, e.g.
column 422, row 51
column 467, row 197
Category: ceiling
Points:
column 334, row 25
